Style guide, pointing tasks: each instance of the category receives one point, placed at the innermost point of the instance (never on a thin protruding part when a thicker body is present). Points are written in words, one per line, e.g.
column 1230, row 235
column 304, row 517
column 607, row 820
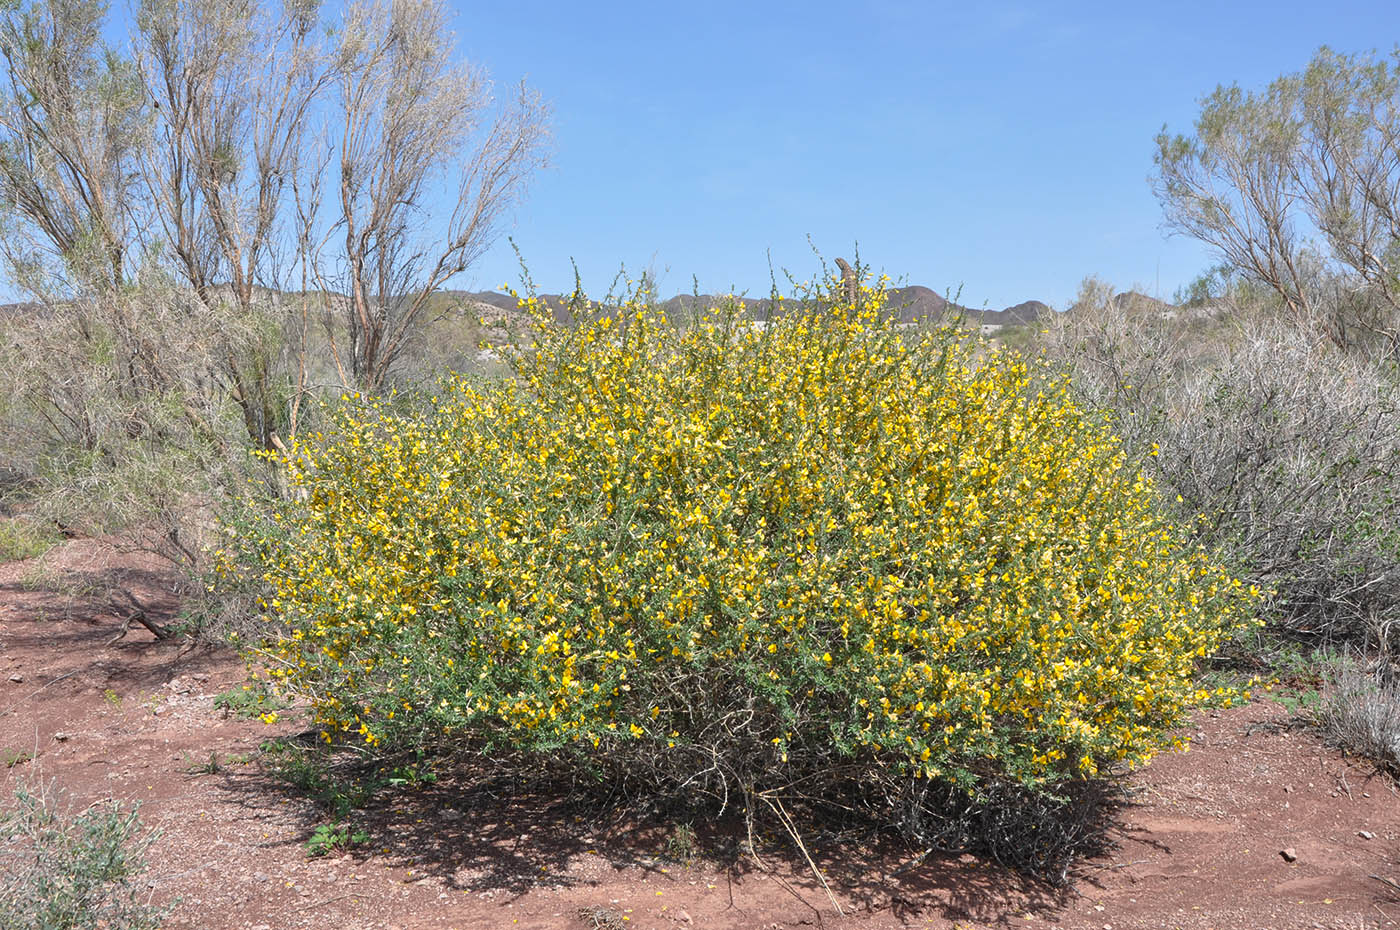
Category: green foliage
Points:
column 10, row 758
column 1207, row 287
column 334, row 837
column 1315, row 152
column 307, row 769
column 22, row 538
column 210, row 766
column 66, row 871
column 336, row 785
column 251, row 700
column 725, row 560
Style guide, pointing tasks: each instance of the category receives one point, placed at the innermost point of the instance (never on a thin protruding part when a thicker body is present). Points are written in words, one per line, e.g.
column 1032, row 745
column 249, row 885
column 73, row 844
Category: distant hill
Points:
column 1134, row 302
column 913, row 303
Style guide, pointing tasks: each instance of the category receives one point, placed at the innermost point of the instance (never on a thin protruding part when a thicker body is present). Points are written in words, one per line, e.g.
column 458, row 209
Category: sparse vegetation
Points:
column 1359, row 709
column 72, row 871
column 23, row 538
column 210, row 766
column 334, row 837
column 681, row 844
column 10, row 758
column 339, row 783
column 250, row 700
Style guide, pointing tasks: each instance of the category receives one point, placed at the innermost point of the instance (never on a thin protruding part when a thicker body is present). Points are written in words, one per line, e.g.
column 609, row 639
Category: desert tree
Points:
column 168, row 163
column 106, row 378
column 233, row 86
column 414, row 121
column 71, row 122
column 168, row 209
column 1297, row 186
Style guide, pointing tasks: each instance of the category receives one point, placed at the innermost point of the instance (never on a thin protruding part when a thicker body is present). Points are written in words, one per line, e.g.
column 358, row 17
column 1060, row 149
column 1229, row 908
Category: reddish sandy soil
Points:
column 1199, row 846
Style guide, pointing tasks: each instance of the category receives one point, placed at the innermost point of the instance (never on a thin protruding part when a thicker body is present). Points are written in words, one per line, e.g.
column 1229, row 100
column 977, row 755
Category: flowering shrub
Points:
column 733, row 558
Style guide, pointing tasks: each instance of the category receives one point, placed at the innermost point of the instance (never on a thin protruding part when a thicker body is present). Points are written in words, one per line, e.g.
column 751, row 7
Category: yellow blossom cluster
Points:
column 823, row 536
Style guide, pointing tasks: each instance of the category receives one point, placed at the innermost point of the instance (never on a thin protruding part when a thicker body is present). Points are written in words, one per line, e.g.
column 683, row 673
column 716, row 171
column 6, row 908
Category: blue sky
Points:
column 1001, row 148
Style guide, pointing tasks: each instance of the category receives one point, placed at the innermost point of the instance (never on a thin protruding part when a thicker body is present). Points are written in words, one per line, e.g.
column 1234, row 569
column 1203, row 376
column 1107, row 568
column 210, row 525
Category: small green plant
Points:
column 310, row 770
column 681, row 845
column 208, row 767
column 10, row 758
column 302, row 767
column 112, row 698
column 412, row 776
column 1299, row 703
column 70, row 871
column 337, row 836
column 22, row 538
column 1297, row 676
column 251, row 700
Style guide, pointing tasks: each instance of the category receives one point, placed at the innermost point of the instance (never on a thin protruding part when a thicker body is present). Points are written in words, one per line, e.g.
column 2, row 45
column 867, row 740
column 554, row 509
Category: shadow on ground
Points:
column 477, row 831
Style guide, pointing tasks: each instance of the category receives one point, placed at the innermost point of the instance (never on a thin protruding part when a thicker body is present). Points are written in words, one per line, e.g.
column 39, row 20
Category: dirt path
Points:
column 1200, row 847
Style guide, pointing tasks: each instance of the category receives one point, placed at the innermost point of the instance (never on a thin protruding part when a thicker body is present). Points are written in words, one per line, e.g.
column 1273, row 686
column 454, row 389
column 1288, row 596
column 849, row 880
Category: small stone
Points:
column 1289, row 854
column 16, row 678
column 261, row 877
column 61, row 736
column 1366, row 834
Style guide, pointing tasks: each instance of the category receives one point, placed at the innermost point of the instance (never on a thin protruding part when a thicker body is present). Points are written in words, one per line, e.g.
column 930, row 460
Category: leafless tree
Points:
column 232, row 85
column 203, row 151
column 415, row 120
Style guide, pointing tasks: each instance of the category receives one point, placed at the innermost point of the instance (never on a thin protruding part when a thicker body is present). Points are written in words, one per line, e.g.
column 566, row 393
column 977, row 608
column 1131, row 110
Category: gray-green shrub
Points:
column 1283, row 449
column 73, row 871
column 1360, row 710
